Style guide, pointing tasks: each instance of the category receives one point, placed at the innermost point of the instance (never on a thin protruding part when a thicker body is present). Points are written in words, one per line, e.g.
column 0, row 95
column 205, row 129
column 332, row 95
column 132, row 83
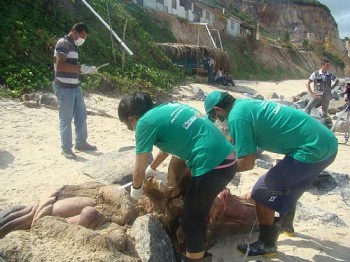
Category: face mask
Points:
column 79, row 41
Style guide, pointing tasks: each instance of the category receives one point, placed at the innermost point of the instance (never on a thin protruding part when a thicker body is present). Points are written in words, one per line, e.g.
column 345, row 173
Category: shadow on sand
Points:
column 6, row 158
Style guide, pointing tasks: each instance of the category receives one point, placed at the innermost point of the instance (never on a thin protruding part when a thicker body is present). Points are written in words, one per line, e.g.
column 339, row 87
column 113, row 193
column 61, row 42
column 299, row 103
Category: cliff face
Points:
column 301, row 19
column 311, row 22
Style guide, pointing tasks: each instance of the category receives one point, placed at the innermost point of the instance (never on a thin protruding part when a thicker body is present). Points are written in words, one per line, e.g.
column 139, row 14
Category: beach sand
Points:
column 31, row 167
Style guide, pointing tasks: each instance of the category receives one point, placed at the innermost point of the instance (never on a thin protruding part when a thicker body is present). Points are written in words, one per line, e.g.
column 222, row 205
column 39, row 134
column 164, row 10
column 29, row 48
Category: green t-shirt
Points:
column 280, row 129
column 183, row 131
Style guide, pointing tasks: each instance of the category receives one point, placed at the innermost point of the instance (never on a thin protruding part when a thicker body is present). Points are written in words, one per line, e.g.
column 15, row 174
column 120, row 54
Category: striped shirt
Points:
column 66, row 47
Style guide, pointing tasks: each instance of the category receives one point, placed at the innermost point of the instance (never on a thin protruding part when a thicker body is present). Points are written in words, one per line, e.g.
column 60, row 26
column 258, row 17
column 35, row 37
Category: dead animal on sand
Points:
column 96, row 206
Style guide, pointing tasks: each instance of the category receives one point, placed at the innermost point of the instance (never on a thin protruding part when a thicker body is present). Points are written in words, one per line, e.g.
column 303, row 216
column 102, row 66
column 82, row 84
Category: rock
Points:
column 49, row 100
column 309, row 212
column 333, row 111
column 151, row 241
column 113, row 168
column 263, row 164
column 53, row 239
column 272, row 96
column 258, row 96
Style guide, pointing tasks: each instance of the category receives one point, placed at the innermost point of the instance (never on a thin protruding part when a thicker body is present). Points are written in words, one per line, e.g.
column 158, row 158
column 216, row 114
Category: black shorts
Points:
column 282, row 186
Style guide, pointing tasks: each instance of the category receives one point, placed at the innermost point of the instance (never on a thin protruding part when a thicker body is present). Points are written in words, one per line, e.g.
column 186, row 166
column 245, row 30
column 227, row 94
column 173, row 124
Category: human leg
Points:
column 287, row 223
column 199, row 198
column 311, row 104
column 80, row 117
column 278, row 190
column 66, row 98
column 326, row 98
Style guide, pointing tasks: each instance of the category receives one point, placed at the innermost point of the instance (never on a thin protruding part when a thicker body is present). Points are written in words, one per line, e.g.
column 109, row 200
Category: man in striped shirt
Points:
column 66, row 86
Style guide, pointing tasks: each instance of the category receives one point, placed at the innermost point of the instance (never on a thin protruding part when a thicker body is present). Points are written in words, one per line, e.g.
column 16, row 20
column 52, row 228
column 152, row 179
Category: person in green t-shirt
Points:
column 183, row 131
column 309, row 147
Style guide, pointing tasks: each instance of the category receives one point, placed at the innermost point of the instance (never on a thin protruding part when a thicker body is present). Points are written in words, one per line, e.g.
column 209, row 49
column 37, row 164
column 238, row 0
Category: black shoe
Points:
column 85, row 147
column 68, row 154
column 258, row 248
column 267, row 242
column 287, row 227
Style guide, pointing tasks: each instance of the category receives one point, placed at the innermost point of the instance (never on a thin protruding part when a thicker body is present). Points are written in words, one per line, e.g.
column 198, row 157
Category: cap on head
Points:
column 212, row 100
column 347, row 80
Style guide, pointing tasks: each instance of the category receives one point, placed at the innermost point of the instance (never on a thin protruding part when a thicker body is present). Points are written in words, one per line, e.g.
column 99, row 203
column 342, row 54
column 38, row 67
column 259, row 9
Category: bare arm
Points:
column 160, row 157
column 246, row 163
column 140, row 168
column 309, row 90
column 62, row 66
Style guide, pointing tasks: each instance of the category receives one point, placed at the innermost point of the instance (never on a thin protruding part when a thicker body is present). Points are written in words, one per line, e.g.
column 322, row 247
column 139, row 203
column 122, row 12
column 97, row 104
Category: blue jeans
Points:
column 72, row 105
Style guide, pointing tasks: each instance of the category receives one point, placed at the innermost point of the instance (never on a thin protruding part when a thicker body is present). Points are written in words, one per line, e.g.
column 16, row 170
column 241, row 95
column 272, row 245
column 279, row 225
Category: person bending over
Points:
column 183, row 131
column 308, row 146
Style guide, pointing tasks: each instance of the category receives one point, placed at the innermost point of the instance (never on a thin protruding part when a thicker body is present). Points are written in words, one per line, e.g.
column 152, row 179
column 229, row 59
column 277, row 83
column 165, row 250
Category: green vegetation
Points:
column 30, row 29
column 246, row 66
column 332, row 57
column 29, row 32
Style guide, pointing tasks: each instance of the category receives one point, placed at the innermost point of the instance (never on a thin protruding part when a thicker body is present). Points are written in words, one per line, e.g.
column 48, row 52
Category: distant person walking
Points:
column 322, row 86
column 66, row 86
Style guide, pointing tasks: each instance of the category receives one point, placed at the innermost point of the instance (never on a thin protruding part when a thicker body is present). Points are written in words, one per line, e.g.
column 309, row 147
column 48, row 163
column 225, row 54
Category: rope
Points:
column 247, row 241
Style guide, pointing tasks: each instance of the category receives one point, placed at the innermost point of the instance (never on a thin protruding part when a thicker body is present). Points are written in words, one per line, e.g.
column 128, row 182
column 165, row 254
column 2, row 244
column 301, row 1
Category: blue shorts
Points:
column 282, row 186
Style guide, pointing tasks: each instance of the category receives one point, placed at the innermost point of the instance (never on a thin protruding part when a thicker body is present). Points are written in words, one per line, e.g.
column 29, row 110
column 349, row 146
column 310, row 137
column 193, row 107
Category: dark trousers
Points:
column 199, row 199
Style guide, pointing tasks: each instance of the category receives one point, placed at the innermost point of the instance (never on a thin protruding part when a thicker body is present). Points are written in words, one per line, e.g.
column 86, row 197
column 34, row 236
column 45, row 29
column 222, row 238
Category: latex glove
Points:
column 155, row 173
column 88, row 69
column 136, row 193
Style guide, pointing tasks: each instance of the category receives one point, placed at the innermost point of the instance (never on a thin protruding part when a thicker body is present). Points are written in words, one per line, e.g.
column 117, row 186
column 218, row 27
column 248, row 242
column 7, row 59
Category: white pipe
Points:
column 125, row 186
column 109, row 27
column 217, row 31
column 212, row 40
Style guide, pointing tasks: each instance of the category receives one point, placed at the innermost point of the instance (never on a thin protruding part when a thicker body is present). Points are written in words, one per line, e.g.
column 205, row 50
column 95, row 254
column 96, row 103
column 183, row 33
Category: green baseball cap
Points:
column 212, row 100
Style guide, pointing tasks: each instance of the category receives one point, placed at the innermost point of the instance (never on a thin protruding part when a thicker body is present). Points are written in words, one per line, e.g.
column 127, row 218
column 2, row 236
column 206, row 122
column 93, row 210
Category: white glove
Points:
column 88, row 69
column 156, row 174
column 136, row 193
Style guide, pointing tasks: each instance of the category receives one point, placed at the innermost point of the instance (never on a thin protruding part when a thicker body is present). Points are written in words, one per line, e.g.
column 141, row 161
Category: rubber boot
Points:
column 287, row 223
column 207, row 258
column 266, row 244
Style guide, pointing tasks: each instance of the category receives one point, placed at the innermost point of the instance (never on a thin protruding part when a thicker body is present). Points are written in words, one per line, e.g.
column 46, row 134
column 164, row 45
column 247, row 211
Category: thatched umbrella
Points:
column 183, row 51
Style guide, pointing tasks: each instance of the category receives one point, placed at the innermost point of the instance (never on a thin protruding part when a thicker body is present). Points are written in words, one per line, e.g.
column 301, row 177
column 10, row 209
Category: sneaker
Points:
column 258, row 249
column 68, row 154
column 85, row 147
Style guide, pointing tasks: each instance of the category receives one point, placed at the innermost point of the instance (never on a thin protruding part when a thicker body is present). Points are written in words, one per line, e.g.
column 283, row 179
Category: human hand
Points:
column 136, row 193
column 88, row 69
column 315, row 95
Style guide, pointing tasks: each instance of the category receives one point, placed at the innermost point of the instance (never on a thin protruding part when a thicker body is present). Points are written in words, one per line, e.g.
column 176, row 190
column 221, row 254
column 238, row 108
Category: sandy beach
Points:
column 31, row 167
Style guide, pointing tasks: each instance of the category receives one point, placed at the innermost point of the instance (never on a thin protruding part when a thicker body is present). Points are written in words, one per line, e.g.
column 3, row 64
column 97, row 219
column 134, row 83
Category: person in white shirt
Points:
column 322, row 87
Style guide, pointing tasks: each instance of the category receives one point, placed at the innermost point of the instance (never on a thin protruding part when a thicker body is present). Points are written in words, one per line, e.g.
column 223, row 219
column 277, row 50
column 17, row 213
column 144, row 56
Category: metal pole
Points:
column 217, row 31
column 108, row 26
column 212, row 40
